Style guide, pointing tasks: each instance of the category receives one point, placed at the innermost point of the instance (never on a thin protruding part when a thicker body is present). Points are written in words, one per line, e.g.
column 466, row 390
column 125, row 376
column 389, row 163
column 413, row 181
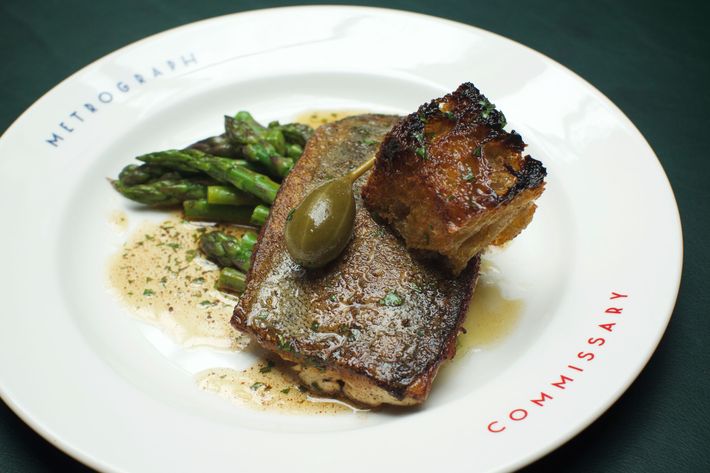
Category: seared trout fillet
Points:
column 452, row 181
column 376, row 323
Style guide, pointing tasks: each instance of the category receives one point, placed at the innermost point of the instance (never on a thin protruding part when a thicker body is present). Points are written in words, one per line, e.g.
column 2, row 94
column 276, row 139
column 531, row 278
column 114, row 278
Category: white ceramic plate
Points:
column 98, row 385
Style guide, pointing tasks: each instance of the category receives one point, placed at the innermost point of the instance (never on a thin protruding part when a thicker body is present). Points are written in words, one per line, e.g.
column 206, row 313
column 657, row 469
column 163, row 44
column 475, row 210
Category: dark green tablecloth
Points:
column 650, row 58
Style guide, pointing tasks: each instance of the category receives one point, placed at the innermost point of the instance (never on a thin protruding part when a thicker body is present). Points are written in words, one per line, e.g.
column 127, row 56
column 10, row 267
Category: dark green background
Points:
column 650, row 58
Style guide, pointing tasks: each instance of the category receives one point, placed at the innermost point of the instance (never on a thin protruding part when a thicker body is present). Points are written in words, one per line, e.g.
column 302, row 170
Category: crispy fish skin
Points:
column 375, row 324
column 452, row 181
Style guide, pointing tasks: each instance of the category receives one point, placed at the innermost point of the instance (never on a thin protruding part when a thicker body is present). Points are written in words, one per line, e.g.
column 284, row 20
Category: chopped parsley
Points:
column 449, row 115
column 392, row 299
column 486, row 107
column 290, row 215
column 379, row 232
column 267, row 368
column 477, row 151
column 148, row 292
column 333, row 298
column 256, row 386
column 286, row 391
column 421, row 152
column 468, row 176
column 315, row 326
column 284, row 344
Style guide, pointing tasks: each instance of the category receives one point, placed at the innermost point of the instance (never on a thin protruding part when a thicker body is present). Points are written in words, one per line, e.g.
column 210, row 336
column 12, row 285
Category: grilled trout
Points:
column 376, row 323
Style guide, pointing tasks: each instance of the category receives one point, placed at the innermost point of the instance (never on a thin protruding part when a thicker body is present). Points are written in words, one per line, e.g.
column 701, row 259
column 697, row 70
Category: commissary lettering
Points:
column 560, row 382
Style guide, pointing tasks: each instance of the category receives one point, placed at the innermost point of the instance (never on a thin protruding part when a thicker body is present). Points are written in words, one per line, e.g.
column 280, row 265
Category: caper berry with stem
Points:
column 320, row 228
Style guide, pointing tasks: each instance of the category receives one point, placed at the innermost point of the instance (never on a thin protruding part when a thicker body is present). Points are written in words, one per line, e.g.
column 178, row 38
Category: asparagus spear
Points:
column 259, row 144
column 163, row 192
column 226, row 250
column 216, row 146
column 221, row 169
column 228, row 195
column 200, row 210
column 231, row 280
column 140, row 174
column 258, row 216
column 296, row 133
column 294, row 151
column 266, row 155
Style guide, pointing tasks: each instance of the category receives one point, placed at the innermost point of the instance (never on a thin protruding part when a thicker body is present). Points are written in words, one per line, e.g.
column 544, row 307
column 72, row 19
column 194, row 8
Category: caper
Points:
column 321, row 226
column 319, row 229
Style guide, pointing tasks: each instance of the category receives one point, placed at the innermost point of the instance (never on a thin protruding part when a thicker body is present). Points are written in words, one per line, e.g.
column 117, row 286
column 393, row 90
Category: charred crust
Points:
column 530, row 176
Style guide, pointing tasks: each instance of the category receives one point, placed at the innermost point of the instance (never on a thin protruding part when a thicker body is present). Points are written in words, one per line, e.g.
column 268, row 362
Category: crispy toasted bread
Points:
column 452, row 181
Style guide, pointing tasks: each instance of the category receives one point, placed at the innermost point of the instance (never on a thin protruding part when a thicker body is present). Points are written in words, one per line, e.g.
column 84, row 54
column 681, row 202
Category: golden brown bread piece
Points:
column 452, row 181
column 376, row 323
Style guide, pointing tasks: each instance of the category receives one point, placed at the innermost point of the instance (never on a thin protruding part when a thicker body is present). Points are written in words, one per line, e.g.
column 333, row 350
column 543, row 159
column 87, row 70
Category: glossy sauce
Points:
column 160, row 275
column 268, row 386
column 316, row 118
column 491, row 317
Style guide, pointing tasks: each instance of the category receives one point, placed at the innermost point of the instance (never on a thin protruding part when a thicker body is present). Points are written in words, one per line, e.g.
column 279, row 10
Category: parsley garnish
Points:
column 256, row 386
column 267, row 368
column 148, row 292
column 290, row 215
column 392, row 299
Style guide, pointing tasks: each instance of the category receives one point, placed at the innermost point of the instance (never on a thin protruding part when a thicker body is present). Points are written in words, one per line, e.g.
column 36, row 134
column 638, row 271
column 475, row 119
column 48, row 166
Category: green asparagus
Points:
column 216, row 146
column 294, row 151
column 266, row 146
column 231, row 280
column 200, row 210
column 134, row 174
column 258, row 216
column 296, row 133
column 222, row 169
column 228, row 195
column 162, row 193
column 266, row 155
column 226, row 250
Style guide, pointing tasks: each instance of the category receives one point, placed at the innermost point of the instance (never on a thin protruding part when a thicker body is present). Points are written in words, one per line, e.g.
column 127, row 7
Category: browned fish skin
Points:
column 451, row 180
column 376, row 322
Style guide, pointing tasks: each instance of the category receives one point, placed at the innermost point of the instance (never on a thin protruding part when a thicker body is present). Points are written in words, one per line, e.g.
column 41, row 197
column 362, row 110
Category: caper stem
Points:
column 362, row 169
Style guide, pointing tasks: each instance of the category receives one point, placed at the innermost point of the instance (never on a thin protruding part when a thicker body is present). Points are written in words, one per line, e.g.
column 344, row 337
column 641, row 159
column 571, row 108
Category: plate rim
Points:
column 88, row 459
